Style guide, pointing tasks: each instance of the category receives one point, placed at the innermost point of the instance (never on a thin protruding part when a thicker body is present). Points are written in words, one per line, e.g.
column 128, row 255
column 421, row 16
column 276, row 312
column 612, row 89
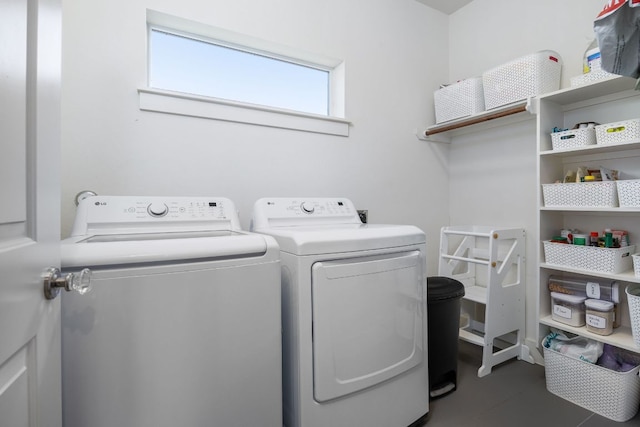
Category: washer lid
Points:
column 154, row 236
column 128, row 249
column 344, row 238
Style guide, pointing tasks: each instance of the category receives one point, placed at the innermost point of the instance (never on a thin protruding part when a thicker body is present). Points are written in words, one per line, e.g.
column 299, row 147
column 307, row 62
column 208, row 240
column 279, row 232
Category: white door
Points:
column 367, row 321
column 29, row 211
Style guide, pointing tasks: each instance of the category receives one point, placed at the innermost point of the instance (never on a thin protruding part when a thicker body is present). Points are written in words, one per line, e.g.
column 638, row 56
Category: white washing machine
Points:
column 354, row 315
column 182, row 327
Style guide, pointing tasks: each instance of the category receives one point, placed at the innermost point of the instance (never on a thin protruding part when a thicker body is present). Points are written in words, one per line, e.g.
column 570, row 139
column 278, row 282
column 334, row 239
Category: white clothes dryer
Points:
column 182, row 327
column 354, row 315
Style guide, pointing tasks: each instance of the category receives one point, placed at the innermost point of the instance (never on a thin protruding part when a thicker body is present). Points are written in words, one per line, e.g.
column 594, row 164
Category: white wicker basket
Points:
column 460, row 99
column 591, row 258
column 636, row 264
column 633, row 299
column 600, row 194
column 573, row 138
column 522, row 78
column 614, row 395
column 591, row 77
column 618, row 132
column 629, row 193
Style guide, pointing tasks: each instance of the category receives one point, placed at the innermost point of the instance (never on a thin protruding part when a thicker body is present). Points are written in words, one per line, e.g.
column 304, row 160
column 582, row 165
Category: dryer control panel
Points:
column 269, row 212
column 115, row 214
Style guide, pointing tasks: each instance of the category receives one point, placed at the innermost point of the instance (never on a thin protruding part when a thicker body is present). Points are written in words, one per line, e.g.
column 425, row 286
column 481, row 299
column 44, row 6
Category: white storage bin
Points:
column 614, row 395
column 599, row 194
column 636, row 264
column 618, row 132
column 591, row 258
column 633, row 300
column 591, row 77
column 460, row 99
column 568, row 309
column 629, row 193
column 573, row 138
column 525, row 77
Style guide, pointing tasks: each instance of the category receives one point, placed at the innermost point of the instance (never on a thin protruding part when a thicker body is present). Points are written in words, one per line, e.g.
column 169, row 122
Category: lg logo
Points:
column 101, row 203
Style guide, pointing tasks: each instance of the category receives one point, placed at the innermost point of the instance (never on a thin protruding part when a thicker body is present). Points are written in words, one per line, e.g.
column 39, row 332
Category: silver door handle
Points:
column 77, row 282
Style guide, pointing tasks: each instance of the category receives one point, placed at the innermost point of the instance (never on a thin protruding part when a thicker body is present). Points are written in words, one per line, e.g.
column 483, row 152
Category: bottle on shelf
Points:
column 591, row 60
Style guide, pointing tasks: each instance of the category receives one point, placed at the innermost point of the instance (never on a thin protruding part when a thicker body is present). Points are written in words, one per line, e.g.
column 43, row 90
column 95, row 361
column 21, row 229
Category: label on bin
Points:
column 596, row 321
column 593, row 290
column 562, row 311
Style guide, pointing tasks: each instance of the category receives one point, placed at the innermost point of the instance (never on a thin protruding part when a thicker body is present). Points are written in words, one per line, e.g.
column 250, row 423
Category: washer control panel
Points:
column 303, row 210
column 292, row 208
column 113, row 213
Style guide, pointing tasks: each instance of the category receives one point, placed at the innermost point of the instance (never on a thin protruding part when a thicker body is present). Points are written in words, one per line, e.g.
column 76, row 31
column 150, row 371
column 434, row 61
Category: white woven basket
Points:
column 573, row 138
column 522, row 78
column 618, row 132
column 591, row 77
column 592, row 258
column 600, row 194
column 460, row 99
column 636, row 264
column 633, row 299
column 629, row 193
column 614, row 395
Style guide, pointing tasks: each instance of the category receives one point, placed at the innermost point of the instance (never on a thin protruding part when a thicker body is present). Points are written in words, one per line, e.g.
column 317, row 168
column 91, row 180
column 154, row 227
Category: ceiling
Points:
column 446, row 6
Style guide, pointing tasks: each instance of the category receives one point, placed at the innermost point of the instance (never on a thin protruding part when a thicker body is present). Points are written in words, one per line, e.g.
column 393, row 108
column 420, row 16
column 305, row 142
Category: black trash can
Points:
column 443, row 307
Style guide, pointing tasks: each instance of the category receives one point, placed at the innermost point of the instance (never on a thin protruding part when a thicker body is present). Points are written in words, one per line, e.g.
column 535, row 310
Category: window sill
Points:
column 182, row 104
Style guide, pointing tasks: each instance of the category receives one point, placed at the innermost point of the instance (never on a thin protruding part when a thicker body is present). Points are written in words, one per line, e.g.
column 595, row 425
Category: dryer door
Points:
column 368, row 315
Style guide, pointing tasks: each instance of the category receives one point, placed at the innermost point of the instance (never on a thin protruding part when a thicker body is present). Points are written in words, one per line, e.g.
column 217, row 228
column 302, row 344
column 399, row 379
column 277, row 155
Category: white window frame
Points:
column 184, row 104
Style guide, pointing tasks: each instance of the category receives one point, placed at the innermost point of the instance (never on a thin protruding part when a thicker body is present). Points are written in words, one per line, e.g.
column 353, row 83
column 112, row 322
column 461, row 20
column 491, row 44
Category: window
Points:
column 198, row 70
column 186, row 64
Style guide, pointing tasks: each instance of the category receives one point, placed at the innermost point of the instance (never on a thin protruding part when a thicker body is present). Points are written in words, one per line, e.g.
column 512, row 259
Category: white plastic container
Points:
column 599, row 316
column 595, row 288
column 599, row 194
column 636, row 264
column 614, row 395
column 573, row 138
column 591, row 67
column 460, row 99
column 633, row 299
column 522, row 78
column 568, row 309
column 592, row 60
column 589, row 258
column 629, row 193
column 618, row 132
column 591, row 77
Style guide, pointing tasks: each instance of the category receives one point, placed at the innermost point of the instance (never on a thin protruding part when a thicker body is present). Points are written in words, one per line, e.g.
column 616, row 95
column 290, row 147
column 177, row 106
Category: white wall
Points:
column 396, row 53
column 487, row 33
column 493, row 172
column 392, row 69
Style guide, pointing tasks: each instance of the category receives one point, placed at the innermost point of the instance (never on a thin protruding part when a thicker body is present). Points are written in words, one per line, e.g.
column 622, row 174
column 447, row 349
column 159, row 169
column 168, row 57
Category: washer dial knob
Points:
column 307, row 207
column 157, row 209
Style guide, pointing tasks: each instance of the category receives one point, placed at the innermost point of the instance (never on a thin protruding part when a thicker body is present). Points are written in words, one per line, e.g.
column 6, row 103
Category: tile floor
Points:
column 513, row 395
